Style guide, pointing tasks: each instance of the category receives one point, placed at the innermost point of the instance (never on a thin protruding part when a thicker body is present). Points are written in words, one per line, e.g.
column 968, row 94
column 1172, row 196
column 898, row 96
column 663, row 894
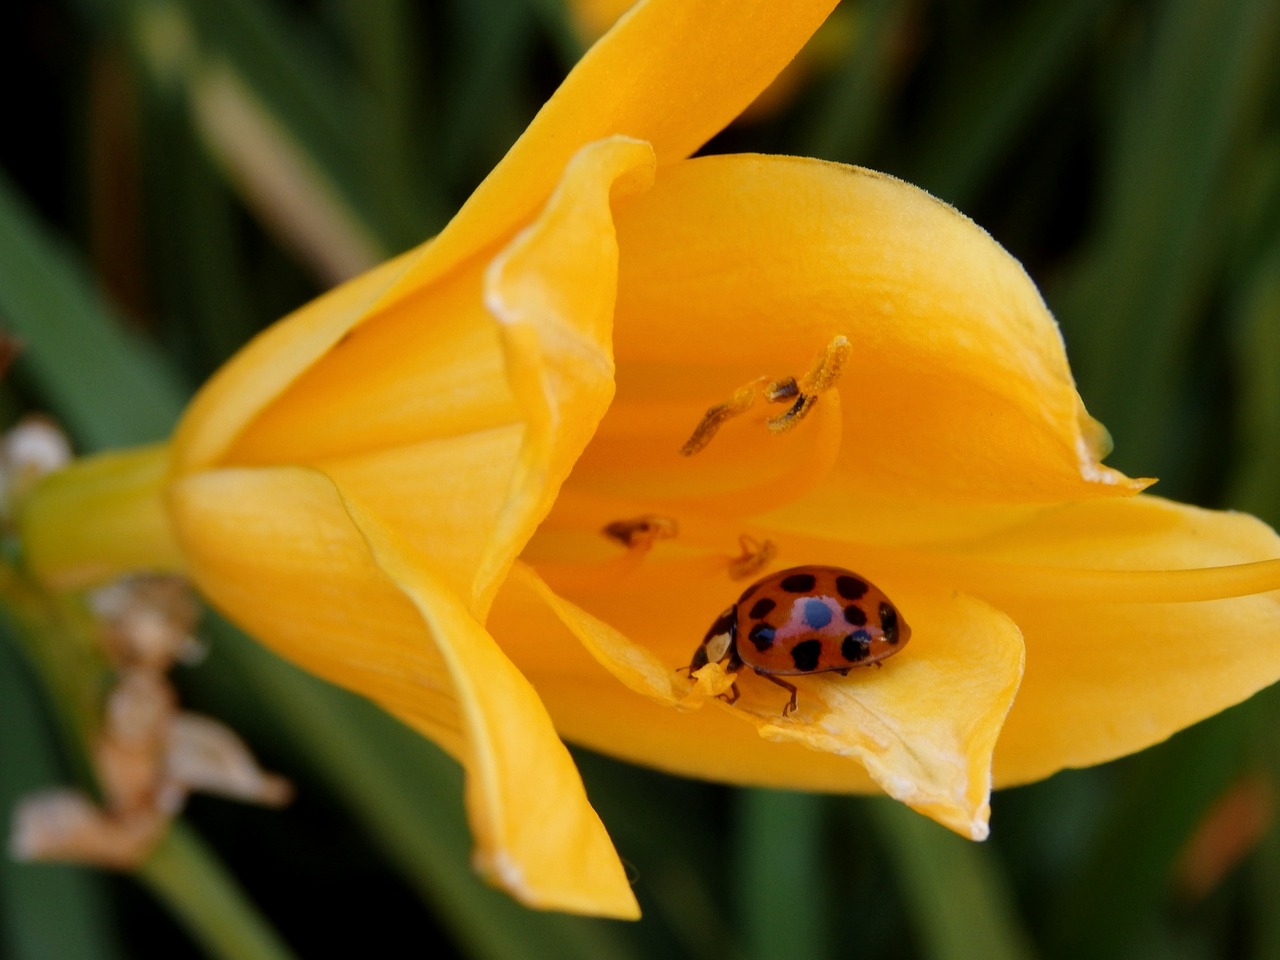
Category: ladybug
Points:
column 804, row 620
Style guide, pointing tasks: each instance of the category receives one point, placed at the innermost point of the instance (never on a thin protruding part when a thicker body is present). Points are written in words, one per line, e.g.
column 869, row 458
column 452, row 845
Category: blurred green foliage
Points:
column 1128, row 151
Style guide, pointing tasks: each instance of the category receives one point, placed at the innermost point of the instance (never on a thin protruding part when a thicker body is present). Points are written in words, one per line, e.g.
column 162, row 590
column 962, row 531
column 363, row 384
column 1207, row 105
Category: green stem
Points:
column 780, row 885
column 99, row 518
column 960, row 904
column 185, row 875
column 181, row 872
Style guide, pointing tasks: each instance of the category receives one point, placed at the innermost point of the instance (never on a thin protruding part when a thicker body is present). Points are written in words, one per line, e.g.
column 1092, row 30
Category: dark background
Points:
column 1127, row 152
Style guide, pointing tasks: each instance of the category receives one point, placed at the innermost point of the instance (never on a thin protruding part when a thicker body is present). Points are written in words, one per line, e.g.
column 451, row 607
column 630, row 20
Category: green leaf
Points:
column 483, row 108
column 204, row 296
column 952, row 888
column 1125, row 878
column 46, row 910
column 1264, row 876
column 278, row 113
column 1130, row 308
column 978, row 110
column 780, row 877
column 185, row 875
column 396, row 123
column 1257, row 343
column 851, row 106
column 109, row 386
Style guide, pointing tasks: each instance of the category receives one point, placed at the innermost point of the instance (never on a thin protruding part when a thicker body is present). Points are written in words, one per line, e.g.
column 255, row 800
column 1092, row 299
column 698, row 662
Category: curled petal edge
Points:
column 654, row 77
column 537, row 835
column 552, row 292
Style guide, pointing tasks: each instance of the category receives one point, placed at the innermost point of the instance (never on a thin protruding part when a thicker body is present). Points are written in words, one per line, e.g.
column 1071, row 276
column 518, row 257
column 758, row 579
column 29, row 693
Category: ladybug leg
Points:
column 733, row 665
column 731, row 695
column 791, row 704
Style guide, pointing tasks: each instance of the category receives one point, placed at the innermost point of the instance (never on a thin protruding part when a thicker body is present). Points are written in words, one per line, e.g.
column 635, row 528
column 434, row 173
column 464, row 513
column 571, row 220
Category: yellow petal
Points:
column 431, row 368
column 610, row 694
column 537, row 835
column 552, row 292
column 445, row 494
column 1114, row 679
column 278, row 551
column 671, row 72
column 262, row 370
column 653, row 77
column 601, row 645
column 98, row 518
column 957, row 392
column 517, row 351
column 743, row 470
column 1107, row 678
column 275, row 550
column 924, row 727
column 708, row 744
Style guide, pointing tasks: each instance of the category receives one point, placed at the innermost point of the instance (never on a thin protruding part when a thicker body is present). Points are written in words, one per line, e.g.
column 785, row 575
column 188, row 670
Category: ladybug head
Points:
column 718, row 643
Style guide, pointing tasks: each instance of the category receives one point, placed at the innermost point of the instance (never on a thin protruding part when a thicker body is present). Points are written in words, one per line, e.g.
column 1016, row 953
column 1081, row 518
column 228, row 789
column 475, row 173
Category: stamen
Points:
column 802, row 395
column 826, row 370
column 755, row 557
column 641, row 533
column 742, row 401
column 780, row 391
column 799, row 410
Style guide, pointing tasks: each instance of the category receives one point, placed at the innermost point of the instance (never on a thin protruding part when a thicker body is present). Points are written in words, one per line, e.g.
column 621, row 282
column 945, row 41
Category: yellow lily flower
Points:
column 403, row 485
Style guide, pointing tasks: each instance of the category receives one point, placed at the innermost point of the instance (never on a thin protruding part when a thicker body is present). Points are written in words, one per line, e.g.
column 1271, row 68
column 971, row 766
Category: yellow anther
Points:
column 641, row 533
column 802, row 395
column 740, row 402
column 798, row 411
column 755, row 556
column 780, row 391
column 826, row 370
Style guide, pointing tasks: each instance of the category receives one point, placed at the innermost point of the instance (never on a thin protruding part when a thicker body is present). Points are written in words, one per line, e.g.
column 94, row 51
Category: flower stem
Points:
column 184, row 874
column 961, row 903
column 100, row 517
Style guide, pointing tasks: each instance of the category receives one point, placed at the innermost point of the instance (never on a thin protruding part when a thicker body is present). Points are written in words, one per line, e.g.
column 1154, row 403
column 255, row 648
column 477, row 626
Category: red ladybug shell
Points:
column 805, row 620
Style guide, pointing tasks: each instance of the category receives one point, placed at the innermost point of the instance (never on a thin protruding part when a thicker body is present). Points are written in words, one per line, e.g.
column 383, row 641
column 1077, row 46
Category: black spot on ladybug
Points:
column 855, row 615
column 725, row 623
column 799, row 583
column 851, row 588
column 889, row 623
column 762, row 608
column 806, row 654
column 762, row 636
column 856, row 646
column 816, row 613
